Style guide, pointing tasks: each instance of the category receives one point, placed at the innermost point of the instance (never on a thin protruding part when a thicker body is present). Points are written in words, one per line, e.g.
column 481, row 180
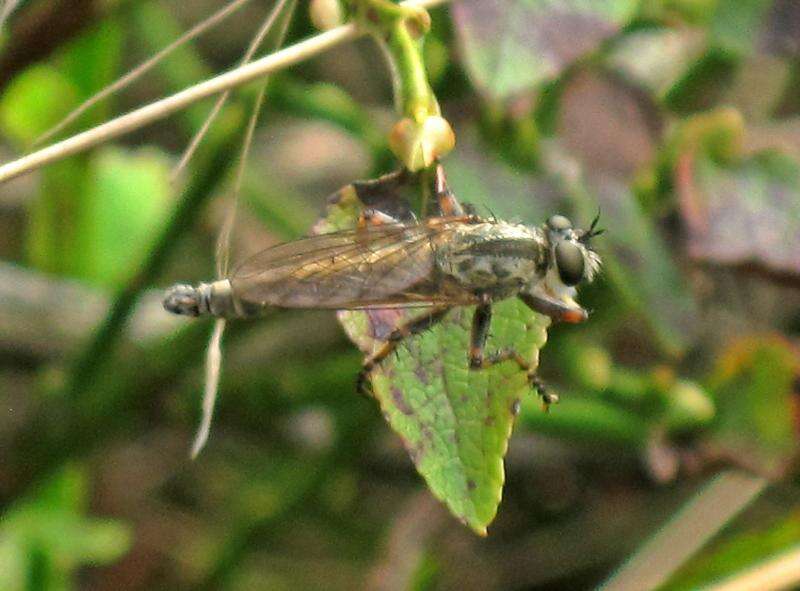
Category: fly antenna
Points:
column 592, row 231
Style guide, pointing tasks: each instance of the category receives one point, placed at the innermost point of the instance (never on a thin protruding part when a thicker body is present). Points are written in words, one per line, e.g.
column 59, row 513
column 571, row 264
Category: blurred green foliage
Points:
column 678, row 119
column 46, row 538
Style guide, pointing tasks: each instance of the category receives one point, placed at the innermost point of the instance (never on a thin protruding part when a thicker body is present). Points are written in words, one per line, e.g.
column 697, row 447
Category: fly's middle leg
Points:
column 481, row 322
column 402, row 332
column 534, row 381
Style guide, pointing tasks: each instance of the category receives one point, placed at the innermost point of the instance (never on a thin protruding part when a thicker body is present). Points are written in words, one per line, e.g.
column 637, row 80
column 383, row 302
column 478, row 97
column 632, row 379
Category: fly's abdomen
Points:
column 214, row 299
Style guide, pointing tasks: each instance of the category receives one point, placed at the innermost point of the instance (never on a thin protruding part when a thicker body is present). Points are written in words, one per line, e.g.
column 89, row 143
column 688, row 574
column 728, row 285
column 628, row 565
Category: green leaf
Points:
column 46, row 537
column 589, row 420
column 736, row 553
column 52, row 243
column 657, row 58
column 754, row 390
column 35, row 101
column 736, row 24
column 512, row 45
column 93, row 59
column 124, row 206
column 454, row 422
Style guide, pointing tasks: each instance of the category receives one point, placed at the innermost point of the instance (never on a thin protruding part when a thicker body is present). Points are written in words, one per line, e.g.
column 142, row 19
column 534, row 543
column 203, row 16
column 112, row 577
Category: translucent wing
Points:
column 374, row 267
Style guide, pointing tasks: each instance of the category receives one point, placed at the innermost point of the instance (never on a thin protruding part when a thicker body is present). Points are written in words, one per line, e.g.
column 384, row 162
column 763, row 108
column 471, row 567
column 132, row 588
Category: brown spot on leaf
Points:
column 422, row 375
column 471, row 484
column 488, row 421
column 400, row 401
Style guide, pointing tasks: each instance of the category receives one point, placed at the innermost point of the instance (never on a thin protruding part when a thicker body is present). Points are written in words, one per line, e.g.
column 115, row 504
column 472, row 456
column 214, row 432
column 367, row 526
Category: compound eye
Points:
column 570, row 264
column 559, row 223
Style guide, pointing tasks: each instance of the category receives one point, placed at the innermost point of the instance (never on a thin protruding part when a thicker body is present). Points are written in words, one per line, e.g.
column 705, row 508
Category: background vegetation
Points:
column 671, row 460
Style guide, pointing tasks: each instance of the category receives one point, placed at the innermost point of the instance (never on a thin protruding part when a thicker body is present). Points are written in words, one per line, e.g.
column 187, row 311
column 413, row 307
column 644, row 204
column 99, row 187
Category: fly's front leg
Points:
column 402, row 332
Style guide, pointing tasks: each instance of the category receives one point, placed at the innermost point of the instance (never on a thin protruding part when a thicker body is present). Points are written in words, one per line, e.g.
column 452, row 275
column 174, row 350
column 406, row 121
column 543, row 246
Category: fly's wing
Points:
column 373, row 267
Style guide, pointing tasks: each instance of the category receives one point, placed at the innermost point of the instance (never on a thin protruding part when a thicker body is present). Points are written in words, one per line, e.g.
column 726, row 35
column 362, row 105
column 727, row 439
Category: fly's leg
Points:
column 373, row 217
column 448, row 204
column 410, row 328
column 481, row 321
column 480, row 332
column 534, row 381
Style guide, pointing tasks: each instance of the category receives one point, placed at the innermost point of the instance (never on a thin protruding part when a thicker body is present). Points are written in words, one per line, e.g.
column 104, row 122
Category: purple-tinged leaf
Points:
column 781, row 33
column 511, row 45
column 657, row 58
column 745, row 214
column 610, row 126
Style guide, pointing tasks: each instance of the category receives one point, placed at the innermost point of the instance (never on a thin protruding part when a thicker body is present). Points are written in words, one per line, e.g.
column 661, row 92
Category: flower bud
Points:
column 419, row 145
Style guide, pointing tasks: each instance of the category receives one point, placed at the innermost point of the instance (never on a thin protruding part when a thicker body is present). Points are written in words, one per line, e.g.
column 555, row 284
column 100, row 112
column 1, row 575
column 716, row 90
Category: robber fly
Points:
column 435, row 264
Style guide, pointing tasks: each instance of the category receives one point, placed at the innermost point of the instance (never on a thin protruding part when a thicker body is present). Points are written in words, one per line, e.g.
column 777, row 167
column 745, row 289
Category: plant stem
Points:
column 416, row 97
column 137, row 119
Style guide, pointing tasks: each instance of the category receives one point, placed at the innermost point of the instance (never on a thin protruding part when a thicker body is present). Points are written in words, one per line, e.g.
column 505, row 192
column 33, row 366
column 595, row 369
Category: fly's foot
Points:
column 477, row 361
column 545, row 396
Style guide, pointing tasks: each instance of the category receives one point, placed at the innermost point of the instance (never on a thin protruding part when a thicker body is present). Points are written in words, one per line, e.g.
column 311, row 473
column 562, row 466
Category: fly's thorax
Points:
column 498, row 258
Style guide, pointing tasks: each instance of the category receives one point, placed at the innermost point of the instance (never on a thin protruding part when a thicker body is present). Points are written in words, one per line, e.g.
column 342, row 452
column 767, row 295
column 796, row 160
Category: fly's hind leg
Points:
column 480, row 332
column 373, row 217
column 448, row 204
column 408, row 329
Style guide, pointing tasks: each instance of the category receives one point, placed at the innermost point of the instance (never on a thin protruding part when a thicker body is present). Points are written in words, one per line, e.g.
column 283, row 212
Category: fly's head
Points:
column 570, row 260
